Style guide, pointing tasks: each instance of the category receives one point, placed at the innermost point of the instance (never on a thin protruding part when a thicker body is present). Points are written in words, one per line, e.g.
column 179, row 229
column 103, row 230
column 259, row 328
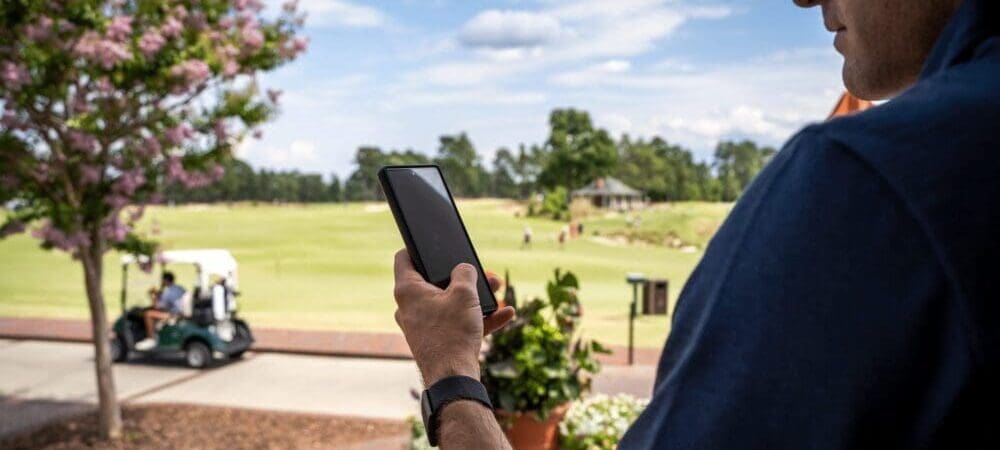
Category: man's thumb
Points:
column 464, row 273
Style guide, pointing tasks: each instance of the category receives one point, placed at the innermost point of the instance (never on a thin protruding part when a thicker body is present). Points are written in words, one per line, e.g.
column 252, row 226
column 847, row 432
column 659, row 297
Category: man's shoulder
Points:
column 938, row 148
column 943, row 121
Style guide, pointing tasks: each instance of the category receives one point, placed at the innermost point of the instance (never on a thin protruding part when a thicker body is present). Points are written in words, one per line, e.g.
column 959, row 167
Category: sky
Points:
column 399, row 74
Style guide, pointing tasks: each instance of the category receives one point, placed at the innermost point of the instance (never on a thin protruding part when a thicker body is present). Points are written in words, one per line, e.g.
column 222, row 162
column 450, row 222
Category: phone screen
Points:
column 435, row 228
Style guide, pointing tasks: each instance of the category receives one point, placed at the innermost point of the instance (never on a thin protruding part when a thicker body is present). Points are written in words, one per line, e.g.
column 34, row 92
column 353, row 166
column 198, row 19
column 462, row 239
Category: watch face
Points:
column 425, row 408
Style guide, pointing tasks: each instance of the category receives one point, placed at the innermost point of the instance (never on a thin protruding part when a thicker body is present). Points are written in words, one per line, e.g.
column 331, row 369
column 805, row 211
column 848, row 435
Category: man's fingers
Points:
column 497, row 320
column 403, row 266
column 495, row 282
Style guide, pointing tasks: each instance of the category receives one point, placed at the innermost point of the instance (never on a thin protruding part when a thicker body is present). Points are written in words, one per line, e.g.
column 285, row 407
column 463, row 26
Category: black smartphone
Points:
column 431, row 227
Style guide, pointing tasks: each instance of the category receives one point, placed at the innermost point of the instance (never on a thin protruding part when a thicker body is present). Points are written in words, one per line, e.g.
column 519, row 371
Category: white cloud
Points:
column 594, row 74
column 341, row 13
column 741, row 120
column 766, row 99
column 471, row 97
column 298, row 154
column 509, row 29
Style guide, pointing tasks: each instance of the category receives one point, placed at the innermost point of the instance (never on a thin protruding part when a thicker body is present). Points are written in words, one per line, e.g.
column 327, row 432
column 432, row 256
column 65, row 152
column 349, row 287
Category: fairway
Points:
column 329, row 266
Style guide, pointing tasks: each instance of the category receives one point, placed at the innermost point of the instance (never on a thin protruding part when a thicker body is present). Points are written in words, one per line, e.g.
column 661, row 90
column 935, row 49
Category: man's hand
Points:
column 444, row 327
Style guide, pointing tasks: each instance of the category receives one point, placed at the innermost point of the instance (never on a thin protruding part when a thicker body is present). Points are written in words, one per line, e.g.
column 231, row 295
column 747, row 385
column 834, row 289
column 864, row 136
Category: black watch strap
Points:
column 445, row 391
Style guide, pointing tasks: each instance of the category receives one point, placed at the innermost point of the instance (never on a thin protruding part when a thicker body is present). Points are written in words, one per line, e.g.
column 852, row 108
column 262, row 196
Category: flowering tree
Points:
column 106, row 102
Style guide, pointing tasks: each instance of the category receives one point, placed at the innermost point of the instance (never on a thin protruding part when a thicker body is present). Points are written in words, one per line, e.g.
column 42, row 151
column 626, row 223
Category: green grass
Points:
column 330, row 266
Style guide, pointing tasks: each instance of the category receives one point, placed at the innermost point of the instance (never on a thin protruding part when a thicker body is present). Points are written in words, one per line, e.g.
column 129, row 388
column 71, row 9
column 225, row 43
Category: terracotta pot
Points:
column 525, row 432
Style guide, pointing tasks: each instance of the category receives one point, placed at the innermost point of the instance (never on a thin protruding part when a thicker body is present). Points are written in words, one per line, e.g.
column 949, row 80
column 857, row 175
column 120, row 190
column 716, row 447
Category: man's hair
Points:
column 168, row 277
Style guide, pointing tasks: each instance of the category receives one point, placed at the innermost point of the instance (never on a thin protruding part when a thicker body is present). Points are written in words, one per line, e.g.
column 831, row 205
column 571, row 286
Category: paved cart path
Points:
column 41, row 381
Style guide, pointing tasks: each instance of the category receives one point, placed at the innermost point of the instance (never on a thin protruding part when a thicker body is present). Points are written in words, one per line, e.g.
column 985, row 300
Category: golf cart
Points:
column 207, row 327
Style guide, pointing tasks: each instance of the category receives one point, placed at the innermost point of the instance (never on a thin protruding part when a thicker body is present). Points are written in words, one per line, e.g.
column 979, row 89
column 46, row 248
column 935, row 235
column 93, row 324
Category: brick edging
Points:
column 281, row 340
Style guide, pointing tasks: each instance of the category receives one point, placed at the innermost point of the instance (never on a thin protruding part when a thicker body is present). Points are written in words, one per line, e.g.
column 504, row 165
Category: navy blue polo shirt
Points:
column 852, row 297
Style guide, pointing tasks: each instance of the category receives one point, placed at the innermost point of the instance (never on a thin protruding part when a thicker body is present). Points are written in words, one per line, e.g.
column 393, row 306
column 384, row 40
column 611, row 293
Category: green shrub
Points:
column 598, row 422
column 556, row 203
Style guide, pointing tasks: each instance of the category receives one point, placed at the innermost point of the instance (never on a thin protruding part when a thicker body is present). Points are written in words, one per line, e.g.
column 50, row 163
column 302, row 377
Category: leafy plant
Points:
column 534, row 364
column 598, row 422
column 418, row 436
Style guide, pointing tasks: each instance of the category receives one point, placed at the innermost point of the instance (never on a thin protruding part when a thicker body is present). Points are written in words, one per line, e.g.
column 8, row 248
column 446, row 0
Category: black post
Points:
column 631, row 322
column 124, row 283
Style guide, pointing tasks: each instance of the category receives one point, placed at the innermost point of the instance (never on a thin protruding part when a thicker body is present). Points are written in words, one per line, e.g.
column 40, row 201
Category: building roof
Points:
column 607, row 186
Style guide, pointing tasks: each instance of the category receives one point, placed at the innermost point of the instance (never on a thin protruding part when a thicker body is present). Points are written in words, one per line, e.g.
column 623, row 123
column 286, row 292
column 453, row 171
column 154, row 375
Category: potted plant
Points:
column 536, row 366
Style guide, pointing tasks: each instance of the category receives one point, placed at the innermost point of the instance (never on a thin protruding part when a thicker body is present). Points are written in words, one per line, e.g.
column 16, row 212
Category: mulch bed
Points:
column 201, row 427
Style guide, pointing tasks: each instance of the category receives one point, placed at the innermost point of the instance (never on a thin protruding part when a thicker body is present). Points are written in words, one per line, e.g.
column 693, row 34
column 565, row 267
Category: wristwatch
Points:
column 445, row 391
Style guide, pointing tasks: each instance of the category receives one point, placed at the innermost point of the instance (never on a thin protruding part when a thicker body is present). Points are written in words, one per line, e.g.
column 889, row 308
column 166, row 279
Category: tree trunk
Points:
column 109, row 415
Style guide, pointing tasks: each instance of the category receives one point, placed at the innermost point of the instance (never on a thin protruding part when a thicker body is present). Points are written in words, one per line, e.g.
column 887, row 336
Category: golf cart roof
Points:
column 209, row 261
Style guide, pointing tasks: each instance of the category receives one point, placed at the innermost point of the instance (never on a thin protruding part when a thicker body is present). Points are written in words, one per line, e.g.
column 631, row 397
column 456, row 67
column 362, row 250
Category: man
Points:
column 848, row 301
column 166, row 302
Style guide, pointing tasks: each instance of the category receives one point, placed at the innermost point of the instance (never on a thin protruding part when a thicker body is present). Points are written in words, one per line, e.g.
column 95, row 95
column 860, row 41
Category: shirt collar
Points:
column 974, row 22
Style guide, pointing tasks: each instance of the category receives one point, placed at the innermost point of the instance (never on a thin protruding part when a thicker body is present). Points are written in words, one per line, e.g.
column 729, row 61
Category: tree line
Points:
column 574, row 154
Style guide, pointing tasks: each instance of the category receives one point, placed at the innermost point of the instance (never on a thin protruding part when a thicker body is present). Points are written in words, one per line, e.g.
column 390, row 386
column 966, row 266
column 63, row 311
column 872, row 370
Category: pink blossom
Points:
column 129, row 181
column 89, row 174
column 80, row 104
column 10, row 120
column 230, row 68
column 220, row 130
column 227, row 51
column 252, row 37
column 178, row 134
column 298, row 45
column 136, row 213
column 41, row 173
column 14, row 75
column 116, row 201
column 217, row 172
column 175, row 169
column 104, row 51
column 198, row 21
column 274, row 95
column 104, row 85
column 197, row 179
column 58, row 238
column 120, row 27
column 290, row 6
column 241, row 4
column 113, row 230
column 11, row 227
column 171, row 27
column 150, row 147
column 40, row 30
column 257, row 134
column 181, row 12
column 81, row 141
column 65, row 26
column 151, row 43
column 226, row 22
column 193, row 72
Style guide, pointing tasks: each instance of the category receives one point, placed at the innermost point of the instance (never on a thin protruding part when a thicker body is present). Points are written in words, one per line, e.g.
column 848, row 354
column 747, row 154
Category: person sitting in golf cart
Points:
column 168, row 301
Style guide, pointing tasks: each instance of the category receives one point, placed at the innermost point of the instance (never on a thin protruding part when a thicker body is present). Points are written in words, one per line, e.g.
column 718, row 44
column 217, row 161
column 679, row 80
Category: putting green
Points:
column 329, row 266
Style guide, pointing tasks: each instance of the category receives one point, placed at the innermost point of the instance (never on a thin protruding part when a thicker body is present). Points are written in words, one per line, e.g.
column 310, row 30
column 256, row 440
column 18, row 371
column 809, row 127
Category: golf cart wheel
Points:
column 197, row 355
column 119, row 350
